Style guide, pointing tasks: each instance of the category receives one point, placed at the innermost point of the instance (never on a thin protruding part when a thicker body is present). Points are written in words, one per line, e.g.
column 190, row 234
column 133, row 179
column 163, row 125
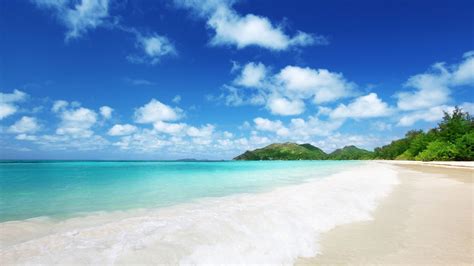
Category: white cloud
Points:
column 432, row 114
column 155, row 111
column 25, row 125
column 283, row 106
column 77, row 123
column 231, row 28
column 252, row 75
column 264, row 124
column 16, row 96
column 122, row 130
column 144, row 141
column 26, row 137
column 298, row 129
column 106, row 112
column 153, row 48
column 433, row 88
column 233, row 96
column 8, row 102
column 69, row 142
column 285, row 93
column 7, row 110
column 362, row 107
column 169, row 128
column 464, row 73
column 303, row 129
column 78, row 16
column 321, row 84
column 202, row 132
column 59, row 105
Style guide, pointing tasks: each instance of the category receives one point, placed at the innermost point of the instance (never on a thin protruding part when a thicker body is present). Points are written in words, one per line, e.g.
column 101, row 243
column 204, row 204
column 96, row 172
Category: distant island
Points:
column 451, row 140
column 294, row 151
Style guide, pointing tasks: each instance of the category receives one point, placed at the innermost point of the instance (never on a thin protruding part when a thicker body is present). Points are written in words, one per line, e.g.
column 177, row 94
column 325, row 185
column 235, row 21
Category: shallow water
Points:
column 65, row 189
column 241, row 212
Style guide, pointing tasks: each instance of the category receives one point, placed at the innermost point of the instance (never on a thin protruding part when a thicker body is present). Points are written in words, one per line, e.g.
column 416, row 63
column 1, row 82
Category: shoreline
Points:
column 274, row 227
column 427, row 219
column 374, row 213
column 443, row 164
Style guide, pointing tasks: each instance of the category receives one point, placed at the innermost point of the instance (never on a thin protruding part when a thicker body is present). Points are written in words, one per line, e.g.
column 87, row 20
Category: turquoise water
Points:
column 63, row 189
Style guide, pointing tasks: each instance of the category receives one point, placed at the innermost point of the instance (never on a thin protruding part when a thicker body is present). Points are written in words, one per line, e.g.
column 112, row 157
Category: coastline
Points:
column 274, row 227
column 427, row 219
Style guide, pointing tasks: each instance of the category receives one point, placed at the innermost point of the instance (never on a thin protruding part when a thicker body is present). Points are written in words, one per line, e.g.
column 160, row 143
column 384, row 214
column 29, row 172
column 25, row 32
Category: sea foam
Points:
column 273, row 227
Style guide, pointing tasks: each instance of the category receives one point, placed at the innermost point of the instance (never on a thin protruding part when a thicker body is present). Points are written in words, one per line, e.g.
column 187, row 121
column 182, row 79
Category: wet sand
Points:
column 427, row 219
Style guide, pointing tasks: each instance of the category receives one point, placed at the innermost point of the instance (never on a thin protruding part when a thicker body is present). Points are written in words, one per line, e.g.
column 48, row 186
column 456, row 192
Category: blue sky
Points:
column 168, row 79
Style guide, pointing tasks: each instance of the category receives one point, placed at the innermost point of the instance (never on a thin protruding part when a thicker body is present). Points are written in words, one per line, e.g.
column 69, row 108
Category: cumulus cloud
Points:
column 78, row 17
column 202, row 132
column 304, row 129
column 433, row 88
column 432, row 114
column 283, row 106
column 77, row 123
column 106, row 112
column 25, row 125
column 122, row 130
column 320, row 84
column 155, row 111
column 169, row 128
column 252, row 75
column 285, row 92
column 231, row 28
column 8, row 102
column 298, row 129
column 366, row 106
column 264, row 124
column 153, row 47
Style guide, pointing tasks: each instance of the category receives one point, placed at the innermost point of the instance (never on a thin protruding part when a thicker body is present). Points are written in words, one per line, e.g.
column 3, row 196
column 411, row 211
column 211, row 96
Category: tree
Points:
column 455, row 125
column 438, row 150
column 420, row 142
column 465, row 147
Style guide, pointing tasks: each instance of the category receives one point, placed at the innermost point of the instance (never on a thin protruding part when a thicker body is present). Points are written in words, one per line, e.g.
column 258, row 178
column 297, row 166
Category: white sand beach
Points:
column 427, row 219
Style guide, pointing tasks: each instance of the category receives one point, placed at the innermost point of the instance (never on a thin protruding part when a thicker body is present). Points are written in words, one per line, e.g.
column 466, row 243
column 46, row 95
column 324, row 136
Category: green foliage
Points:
column 293, row 151
column 438, row 150
column 350, row 153
column 452, row 139
column 418, row 144
column 465, row 147
column 284, row 151
column 406, row 155
column 455, row 125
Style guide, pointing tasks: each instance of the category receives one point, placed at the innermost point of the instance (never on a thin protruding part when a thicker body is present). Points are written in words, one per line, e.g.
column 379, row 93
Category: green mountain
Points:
column 284, row 151
column 350, row 153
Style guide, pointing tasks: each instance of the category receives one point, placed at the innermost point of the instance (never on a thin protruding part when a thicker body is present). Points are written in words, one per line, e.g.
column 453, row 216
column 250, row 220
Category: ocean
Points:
column 109, row 212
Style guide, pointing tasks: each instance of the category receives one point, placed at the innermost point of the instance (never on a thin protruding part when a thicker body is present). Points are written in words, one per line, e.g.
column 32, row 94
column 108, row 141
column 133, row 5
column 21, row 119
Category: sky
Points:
column 173, row 79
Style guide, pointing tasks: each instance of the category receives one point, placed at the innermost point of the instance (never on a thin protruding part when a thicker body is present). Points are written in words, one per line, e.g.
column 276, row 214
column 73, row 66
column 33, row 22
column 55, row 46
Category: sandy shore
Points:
column 428, row 219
